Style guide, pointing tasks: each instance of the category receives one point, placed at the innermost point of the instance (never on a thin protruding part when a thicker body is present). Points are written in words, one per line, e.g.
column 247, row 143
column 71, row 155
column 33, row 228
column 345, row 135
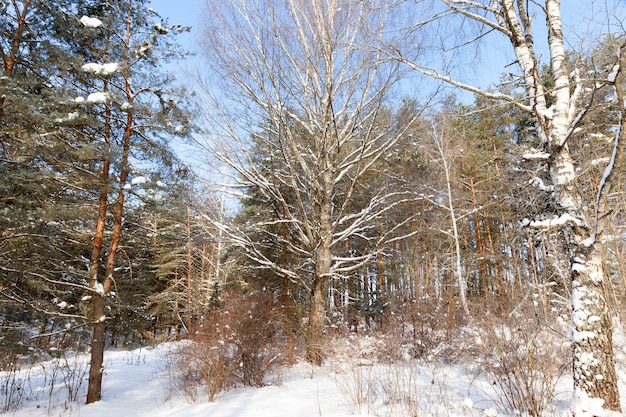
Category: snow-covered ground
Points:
column 136, row 384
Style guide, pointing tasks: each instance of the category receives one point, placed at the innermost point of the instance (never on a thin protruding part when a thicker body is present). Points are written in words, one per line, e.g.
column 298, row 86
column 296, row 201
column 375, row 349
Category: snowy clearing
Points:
column 352, row 382
column 136, row 384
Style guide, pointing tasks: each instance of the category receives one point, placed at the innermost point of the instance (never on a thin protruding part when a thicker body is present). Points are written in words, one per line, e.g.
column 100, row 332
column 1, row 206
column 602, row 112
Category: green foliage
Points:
column 54, row 141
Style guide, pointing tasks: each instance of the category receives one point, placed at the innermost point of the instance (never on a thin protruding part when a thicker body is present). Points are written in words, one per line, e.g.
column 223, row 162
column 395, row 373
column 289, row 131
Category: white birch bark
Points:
column 582, row 221
column 439, row 139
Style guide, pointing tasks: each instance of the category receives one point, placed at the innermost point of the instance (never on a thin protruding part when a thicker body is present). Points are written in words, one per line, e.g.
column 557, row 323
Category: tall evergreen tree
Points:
column 87, row 114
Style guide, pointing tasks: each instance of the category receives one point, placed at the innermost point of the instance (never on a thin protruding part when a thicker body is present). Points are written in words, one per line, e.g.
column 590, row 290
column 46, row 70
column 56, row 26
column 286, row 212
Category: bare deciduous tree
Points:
column 301, row 104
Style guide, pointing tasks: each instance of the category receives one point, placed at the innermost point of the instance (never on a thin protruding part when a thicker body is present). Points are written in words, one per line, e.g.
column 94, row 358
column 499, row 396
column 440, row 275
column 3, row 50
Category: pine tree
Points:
column 85, row 105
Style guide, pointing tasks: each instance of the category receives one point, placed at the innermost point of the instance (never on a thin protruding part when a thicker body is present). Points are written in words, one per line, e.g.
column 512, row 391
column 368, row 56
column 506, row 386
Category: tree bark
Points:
column 94, row 389
column 592, row 339
column 102, row 290
column 594, row 362
column 317, row 320
column 323, row 260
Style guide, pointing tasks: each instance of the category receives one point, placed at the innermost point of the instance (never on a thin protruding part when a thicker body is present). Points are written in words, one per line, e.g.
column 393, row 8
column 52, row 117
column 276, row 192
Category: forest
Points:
column 430, row 173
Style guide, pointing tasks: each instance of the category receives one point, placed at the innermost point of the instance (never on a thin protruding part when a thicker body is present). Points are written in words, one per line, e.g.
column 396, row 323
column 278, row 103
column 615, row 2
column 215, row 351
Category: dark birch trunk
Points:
column 592, row 344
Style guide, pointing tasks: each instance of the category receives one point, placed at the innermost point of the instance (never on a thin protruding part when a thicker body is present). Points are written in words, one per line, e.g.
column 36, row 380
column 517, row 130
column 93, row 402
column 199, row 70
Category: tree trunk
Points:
column 582, row 222
column 97, row 300
column 592, row 342
column 317, row 315
column 317, row 318
column 94, row 389
column 323, row 260
column 594, row 364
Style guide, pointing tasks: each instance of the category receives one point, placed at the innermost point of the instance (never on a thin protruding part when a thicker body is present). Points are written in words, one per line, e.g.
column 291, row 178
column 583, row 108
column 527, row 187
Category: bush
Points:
column 524, row 361
column 238, row 344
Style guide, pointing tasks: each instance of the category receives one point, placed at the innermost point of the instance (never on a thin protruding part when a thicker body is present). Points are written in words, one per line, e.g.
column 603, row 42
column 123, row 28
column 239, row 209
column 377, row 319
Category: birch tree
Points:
column 442, row 145
column 557, row 108
column 302, row 90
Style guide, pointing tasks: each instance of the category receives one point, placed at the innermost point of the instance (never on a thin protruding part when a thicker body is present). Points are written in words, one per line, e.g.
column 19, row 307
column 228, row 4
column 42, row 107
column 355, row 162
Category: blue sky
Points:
column 576, row 15
column 178, row 11
column 184, row 12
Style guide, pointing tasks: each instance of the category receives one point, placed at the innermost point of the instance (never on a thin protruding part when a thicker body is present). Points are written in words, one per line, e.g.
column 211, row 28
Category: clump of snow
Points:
column 139, row 180
column 594, row 319
column 91, row 22
column 579, row 337
column 126, row 106
column 536, row 156
column 99, row 288
column 613, row 74
column 101, row 69
column 158, row 28
column 600, row 161
column 491, row 412
column 547, row 113
column 589, row 242
column 538, row 182
column 143, row 50
column 584, row 406
column 561, row 220
column 97, row 98
column 79, row 100
column 68, row 118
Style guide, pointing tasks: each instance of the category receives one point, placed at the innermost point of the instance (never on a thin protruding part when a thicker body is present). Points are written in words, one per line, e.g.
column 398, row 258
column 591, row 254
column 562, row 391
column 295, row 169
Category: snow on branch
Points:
column 613, row 74
column 536, row 156
column 610, row 168
column 20, row 300
column 547, row 113
column 255, row 252
column 430, row 72
column 538, row 182
column 90, row 22
column 562, row 220
column 101, row 69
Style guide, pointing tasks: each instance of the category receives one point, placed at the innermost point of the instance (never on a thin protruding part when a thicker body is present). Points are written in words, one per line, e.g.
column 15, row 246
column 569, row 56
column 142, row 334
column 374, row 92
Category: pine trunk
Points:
column 94, row 389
